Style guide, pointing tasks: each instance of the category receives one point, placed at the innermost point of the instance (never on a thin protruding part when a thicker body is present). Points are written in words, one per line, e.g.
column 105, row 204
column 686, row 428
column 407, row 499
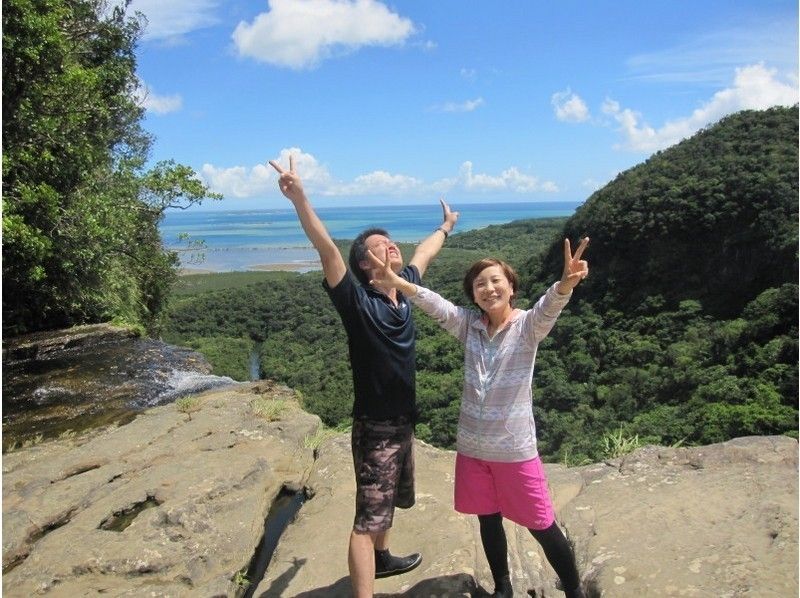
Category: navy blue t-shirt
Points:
column 380, row 338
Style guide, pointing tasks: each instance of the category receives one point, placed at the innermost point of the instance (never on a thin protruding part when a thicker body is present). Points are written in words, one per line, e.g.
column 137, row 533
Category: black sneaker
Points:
column 502, row 588
column 576, row 593
column 387, row 564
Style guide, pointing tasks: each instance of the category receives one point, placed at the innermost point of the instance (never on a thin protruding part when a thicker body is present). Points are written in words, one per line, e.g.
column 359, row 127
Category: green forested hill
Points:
column 290, row 321
column 686, row 329
column 713, row 218
column 685, row 332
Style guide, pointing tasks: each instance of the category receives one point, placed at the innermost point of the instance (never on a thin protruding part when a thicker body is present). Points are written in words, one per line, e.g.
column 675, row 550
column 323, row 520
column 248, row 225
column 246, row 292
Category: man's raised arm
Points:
column 292, row 187
column 428, row 248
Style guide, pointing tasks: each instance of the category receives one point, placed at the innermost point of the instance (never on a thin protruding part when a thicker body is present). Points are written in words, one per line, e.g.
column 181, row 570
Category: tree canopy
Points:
column 80, row 212
column 713, row 218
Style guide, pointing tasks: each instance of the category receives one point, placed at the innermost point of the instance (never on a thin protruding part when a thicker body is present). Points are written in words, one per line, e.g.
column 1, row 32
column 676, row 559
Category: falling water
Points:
column 102, row 381
column 255, row 362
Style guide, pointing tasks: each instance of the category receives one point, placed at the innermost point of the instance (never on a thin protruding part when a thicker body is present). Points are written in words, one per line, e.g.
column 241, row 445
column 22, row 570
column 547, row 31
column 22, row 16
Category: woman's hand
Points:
column 449, row 218
column 575, row 269
column 385, row 279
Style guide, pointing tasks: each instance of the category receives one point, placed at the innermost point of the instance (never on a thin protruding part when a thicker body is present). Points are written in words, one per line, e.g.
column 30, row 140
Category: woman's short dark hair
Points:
column 481, row 265
column 358, row 253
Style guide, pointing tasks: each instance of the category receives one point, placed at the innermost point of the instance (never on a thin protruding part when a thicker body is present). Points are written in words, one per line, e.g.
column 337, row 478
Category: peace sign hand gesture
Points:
column 385, row 279
column 575, row 269
column 289, row 182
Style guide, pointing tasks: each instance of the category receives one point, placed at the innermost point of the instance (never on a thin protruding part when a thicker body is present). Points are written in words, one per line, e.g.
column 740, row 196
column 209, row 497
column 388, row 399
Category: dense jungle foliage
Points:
column 685, row 331
column 80, row 211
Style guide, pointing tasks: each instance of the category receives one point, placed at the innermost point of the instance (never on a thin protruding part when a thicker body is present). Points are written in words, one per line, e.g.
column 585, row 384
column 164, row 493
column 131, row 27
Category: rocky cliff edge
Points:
column 174, row 504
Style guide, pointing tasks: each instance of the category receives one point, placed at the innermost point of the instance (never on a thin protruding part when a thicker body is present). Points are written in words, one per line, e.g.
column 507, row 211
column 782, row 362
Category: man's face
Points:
column 378, row 244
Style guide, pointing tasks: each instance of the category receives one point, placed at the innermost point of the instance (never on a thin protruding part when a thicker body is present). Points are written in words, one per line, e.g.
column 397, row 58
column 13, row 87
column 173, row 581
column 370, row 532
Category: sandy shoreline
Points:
column 304, row 266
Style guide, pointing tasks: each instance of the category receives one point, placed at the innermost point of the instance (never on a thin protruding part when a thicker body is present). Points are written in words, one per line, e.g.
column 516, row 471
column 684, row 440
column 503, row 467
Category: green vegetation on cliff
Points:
column 713, row 219
column 80, row 212
column 685, row 332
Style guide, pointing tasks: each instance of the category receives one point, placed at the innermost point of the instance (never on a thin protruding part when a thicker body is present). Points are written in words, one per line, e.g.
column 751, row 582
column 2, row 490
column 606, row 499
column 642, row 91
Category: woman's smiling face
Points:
column 491, row 290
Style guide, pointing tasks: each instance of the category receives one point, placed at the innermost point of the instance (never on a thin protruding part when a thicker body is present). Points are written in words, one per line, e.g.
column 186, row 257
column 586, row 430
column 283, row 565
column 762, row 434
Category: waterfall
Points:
column 255, row 362
column 105, row 379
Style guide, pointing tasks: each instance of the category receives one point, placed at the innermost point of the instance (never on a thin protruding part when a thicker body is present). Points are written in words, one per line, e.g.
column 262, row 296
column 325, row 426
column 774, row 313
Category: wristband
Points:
column 446, row 234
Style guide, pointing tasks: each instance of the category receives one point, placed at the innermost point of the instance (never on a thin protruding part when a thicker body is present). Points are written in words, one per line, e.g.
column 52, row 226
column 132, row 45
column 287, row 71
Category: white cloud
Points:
column 377, row 182
column 569, row 107
column 152, row 102
column 261, row 180
column 510, row 179
column 238, row 181
column 592, row 184
column 427, row 46
column 755, row 87
column 466, row 106
column 171, row 19
column 301, row 33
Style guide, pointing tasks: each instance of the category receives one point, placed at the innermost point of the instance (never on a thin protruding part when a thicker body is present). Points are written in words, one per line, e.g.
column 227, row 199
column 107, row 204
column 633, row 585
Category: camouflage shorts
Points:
column 383, row 458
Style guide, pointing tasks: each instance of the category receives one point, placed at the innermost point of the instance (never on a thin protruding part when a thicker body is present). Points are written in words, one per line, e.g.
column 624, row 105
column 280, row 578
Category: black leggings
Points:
column 556, row 549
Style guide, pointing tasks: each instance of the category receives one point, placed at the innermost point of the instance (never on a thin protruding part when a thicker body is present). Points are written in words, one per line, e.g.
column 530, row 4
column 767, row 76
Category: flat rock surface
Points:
column 713, row 521
column 208, row 476
column 716, row 521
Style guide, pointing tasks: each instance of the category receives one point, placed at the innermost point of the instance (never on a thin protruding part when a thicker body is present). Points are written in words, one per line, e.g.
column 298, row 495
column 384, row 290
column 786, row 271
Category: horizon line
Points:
column 219, row 208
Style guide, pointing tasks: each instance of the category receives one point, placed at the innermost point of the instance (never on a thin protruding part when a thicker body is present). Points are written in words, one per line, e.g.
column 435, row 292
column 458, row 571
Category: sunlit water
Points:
column 247, row 239
column 104, row 383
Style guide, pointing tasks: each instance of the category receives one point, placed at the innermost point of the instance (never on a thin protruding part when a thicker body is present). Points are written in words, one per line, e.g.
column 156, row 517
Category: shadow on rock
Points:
column 280, row 584
column 459, row 584
column 339, row 588
column 448, row 585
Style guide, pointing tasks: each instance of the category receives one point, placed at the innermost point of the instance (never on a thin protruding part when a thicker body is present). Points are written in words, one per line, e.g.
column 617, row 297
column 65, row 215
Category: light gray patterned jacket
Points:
column 496, row 420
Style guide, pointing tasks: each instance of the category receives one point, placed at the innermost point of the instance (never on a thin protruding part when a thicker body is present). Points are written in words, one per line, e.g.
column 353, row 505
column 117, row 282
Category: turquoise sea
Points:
column 265, row 239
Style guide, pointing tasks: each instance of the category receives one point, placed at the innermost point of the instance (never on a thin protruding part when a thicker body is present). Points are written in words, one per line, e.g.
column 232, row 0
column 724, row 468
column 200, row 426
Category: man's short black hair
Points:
column 358, row 253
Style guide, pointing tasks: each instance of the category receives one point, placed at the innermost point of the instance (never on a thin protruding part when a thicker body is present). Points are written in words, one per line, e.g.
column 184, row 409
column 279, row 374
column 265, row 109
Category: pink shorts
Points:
column 516, row 490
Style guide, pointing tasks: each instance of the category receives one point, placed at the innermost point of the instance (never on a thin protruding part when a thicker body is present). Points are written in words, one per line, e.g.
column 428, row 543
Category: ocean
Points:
column 273, row 239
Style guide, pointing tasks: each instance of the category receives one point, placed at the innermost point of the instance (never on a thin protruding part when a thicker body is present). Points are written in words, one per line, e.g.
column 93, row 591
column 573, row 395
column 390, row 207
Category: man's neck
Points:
column 391, row 294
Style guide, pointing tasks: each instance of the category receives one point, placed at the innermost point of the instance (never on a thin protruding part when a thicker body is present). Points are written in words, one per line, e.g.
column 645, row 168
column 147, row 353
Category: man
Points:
column 380, row 332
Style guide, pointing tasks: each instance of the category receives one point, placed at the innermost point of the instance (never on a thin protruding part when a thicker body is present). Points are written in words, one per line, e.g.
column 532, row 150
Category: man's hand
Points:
column 289, row 182
column 431, row 245
column 575, row 269
column 449, row 218
column 292, row 187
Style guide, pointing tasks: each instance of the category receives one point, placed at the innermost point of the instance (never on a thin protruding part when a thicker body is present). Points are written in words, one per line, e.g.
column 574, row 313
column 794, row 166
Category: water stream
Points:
column 104, row 381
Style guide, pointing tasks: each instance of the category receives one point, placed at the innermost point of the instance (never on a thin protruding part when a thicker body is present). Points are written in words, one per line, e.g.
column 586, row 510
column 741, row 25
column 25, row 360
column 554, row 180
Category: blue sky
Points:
column 408, row 101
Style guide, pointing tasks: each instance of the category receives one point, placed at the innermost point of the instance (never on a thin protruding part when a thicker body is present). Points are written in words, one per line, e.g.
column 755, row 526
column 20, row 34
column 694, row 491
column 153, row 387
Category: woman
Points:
column 498, row 469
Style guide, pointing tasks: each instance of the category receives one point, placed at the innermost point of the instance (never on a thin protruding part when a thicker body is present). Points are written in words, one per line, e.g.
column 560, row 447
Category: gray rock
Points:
column 712, row 521
column 38, row 345
column 208, row 478
column 718, row 520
